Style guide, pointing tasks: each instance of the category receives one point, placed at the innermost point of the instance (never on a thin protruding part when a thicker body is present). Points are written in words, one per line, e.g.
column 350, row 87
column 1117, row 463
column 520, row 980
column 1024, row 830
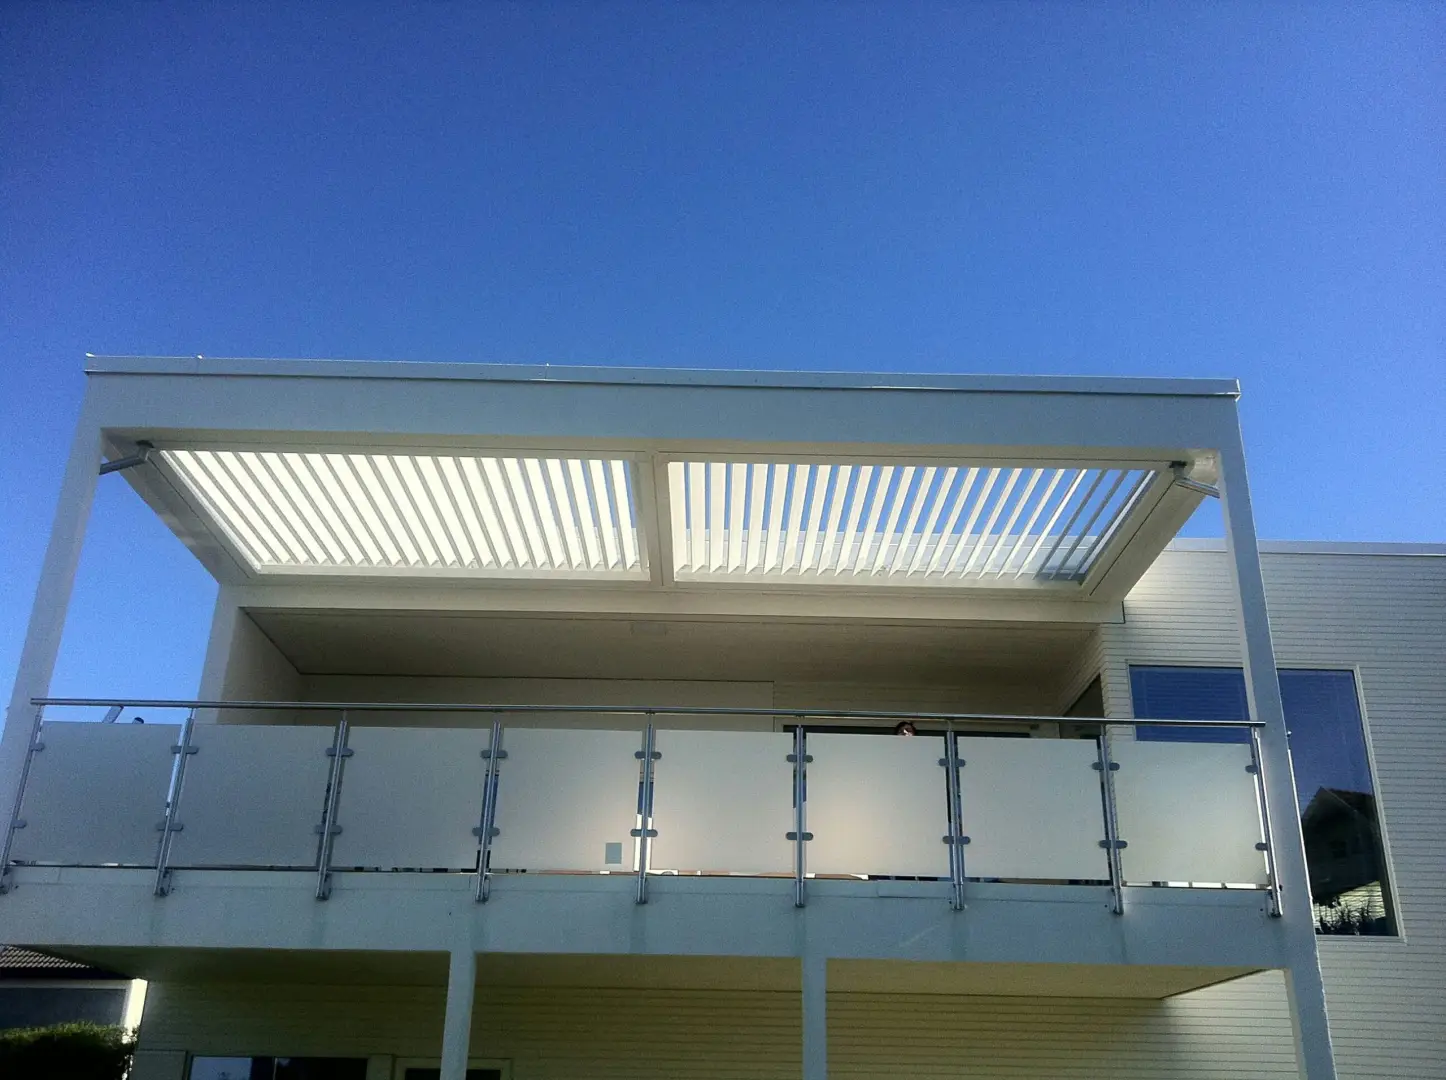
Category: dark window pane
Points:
column 1338, row 814
column 1189, row 693
column 1339, row 819
column 472, row 1074
column 316, row 1068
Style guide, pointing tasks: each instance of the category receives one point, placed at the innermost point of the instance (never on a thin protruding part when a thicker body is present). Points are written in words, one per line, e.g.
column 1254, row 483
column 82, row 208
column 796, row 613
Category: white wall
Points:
column 242, row 664
column 995, row 695
column 1385, row 617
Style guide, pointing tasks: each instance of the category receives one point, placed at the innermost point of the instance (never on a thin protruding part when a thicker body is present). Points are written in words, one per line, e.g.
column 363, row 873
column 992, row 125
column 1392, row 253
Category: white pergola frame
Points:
column 652, row 421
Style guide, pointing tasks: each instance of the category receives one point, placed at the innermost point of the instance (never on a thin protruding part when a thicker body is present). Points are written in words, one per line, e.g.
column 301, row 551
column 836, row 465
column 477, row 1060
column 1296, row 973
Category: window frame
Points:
column 192, row 1056
column 1388, row 867
column 401, row 1065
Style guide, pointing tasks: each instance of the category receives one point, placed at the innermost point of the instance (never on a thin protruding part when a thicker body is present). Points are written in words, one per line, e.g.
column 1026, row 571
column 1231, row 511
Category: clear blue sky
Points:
column 1254, row 191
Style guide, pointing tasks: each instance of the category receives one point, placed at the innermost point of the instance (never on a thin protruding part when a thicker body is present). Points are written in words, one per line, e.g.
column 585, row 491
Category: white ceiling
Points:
column 761, row 974
column 443, row 644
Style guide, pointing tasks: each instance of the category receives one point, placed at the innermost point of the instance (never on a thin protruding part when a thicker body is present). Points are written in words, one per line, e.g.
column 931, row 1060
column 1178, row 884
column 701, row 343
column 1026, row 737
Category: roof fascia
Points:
column 196, row 366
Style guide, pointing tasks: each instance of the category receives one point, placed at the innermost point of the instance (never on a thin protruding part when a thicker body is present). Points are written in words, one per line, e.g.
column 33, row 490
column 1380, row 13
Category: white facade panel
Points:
column 1187, row 813
column 723, row 801
column 252, row 796
column 411, row 799
column 1032, row 809
column 877, row 805
column 567, row 800
column 96, row 794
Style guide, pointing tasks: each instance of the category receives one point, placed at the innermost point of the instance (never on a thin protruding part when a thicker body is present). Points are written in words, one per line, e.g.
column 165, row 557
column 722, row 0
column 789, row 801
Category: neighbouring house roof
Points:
column 17, row 962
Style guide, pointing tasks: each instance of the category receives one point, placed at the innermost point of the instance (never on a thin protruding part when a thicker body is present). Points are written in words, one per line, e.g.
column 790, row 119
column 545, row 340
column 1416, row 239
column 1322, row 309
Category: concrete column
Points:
column 457, row 1026
column 815, row 1018
column 1314, row 1057
column 52, row 598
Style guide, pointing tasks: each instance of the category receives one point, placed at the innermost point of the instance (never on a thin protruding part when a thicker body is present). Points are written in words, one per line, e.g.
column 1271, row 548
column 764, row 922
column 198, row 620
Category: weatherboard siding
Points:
column 579, row 1034
column 1385, row 617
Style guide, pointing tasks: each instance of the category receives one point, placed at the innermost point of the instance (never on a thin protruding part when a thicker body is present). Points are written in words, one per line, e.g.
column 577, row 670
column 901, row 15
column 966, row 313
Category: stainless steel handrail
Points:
column 622, row 710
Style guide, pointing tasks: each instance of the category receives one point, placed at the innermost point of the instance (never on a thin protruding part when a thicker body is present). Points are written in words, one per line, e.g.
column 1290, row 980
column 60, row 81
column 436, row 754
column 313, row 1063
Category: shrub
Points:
column 66, row 1052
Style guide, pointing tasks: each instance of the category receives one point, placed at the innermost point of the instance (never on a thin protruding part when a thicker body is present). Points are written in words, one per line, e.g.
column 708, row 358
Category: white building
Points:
column 572, row 765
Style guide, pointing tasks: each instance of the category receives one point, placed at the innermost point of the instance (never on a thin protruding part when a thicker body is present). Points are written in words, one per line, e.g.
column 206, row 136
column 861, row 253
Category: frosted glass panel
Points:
column 1187, row 812
column 567, row 800
column 411, row 797
column 96, row 793
column 877, row 804
column 723, row 801
column 252, row 796
column 1032, row 809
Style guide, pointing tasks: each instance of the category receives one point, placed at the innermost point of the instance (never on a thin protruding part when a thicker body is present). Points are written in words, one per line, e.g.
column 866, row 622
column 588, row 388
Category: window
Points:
column 278, row 1068
column 1339, row 818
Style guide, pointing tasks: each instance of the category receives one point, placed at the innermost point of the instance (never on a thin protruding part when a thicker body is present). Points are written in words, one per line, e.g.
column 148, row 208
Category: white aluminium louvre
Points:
column 992, row 525
column 414, row 513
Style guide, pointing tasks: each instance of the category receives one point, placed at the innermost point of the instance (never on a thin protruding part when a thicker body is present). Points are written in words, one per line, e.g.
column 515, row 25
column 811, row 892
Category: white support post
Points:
column 457, row 1024
column 52, row 598
column 815, row 1018
column 1314, row 1057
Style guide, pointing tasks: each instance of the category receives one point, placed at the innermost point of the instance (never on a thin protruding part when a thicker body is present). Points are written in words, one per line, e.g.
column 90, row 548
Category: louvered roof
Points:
column 912, row 524
column 822, row 523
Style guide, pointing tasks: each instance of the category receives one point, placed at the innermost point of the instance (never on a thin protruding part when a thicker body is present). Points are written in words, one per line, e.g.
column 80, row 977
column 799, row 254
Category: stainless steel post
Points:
column 1112, row 842
column 487, row 828
column 168, row 825
column 1268, row 845
column 645, row 831
column 800, row 836
column 16, row 822
column 956, row 838
column 328, row 828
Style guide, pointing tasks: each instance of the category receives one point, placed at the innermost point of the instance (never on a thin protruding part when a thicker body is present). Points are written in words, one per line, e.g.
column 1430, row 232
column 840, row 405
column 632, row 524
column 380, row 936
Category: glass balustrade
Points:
column 590, row 801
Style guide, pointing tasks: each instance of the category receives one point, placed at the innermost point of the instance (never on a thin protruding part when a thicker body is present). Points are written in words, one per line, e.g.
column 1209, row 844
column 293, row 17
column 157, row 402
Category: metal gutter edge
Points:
column 636, row 376
column 1315, row 547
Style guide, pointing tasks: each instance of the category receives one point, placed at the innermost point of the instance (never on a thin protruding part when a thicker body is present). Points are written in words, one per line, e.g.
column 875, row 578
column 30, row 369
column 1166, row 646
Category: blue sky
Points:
column 1214, row 189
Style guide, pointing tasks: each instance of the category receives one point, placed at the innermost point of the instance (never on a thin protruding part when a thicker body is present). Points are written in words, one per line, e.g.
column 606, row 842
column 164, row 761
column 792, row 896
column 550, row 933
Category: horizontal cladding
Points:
column 560, row 1033
column 544, row 1032
column 1385, row 616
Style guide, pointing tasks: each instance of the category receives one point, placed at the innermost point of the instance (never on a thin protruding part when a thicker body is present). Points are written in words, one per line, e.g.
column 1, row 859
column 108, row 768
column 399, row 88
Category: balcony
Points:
column 551, row 829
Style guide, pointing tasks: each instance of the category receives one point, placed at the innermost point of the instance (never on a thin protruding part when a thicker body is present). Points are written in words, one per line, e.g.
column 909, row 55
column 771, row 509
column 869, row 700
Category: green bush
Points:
column 66, row 1052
